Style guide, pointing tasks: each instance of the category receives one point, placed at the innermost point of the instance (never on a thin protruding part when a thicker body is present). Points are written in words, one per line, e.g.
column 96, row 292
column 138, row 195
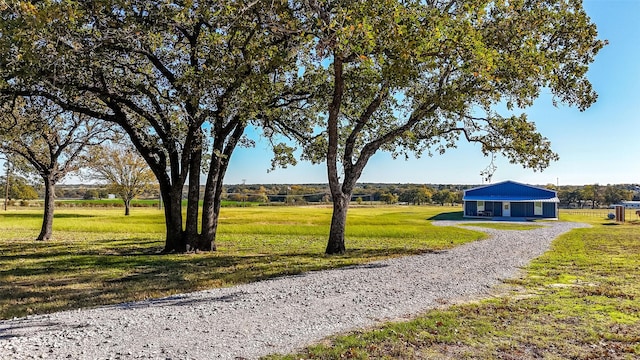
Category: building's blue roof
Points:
column 510, row 191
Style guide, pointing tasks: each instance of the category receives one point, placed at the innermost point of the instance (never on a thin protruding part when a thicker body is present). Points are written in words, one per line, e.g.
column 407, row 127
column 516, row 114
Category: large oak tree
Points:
column 183, row 79
column 417, row 76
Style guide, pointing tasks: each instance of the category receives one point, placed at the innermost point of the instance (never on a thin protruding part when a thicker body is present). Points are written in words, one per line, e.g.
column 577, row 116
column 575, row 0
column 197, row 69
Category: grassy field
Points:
column 106, row 203
column 99, row 256
column 581, row 300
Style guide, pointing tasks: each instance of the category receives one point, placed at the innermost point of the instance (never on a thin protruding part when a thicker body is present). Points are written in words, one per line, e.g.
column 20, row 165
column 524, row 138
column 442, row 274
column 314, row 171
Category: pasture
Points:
column 98, row 256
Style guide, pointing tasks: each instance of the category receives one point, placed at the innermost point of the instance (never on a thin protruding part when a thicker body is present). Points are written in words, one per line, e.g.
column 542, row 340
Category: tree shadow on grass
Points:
column 71, row 280
column 453, row 215
column 33, row 251
column 162, row 280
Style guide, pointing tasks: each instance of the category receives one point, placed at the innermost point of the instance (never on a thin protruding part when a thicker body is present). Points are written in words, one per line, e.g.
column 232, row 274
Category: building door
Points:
column 506, row 209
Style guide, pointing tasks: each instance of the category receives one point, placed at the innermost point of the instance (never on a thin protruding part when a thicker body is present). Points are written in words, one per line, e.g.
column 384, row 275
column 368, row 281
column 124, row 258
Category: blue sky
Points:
column 600, row 145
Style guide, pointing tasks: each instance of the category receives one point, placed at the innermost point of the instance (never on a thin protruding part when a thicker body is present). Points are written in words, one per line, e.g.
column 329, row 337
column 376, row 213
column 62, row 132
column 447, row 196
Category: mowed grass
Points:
column 99, row 256
column 580, row 300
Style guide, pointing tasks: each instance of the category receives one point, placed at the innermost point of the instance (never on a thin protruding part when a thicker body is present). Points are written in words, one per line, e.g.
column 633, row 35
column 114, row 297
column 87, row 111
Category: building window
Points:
column 537, row 208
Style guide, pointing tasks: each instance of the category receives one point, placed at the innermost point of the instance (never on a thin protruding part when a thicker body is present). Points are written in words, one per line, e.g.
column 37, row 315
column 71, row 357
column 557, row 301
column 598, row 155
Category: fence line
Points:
column 629, row 214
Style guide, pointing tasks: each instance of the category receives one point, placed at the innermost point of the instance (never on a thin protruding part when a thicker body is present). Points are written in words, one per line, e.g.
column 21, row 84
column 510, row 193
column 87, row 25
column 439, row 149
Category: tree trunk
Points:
column 172, row 200
column 47, row 218
column 211, row 207
column 193, row 201
column 221, row 154
column 6, row 185
column 341, row 193
column 170, row 181
column 127, row 205
column 336, row 244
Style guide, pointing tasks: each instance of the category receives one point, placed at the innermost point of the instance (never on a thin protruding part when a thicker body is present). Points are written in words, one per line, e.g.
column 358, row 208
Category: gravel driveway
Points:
column 279, row 315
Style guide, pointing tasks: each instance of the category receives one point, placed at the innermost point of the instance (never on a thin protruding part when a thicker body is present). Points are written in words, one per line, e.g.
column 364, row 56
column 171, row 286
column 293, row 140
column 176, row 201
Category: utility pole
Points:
column 6, row 184
column 244, row 193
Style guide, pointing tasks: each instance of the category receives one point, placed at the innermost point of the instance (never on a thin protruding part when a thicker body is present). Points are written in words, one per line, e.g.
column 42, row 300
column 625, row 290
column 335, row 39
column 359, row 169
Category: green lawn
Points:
column 580, row 300
column 98, row 256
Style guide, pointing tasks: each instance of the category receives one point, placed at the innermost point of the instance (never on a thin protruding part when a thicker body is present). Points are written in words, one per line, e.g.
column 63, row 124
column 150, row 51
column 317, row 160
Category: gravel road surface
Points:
column 279, row 315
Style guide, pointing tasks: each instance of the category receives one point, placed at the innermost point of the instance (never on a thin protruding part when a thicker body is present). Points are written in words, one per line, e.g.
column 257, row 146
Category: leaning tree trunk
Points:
column 47, row 217
column 211, row 209
column 221, row 153
column 336, row 244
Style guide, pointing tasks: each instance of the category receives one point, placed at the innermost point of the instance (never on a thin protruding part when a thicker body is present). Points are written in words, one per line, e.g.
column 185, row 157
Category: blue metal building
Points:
column 511, row 199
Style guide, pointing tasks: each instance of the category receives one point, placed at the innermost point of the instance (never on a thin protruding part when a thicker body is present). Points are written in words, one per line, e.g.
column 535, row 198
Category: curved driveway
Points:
column 279, row 315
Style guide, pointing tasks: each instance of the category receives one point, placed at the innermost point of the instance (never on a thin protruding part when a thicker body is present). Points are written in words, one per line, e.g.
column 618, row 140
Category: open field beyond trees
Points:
column 581, row 300
column 99, row 256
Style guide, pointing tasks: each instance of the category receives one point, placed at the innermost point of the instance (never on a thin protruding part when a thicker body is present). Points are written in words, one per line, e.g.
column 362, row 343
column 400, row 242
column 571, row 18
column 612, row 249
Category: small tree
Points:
column 443, row 196
column 615, row 195
column 125, row 173
column 389, row 198
column 51, row 140
column 457, row 197
column 90, row 194
column 575, row 195
column 260, row 196
column 594, row 194
column 18, row 188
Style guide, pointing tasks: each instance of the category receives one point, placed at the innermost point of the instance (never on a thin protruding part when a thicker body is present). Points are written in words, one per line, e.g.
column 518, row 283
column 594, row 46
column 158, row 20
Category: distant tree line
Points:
column 596, row 196
column 413, row 194
column 571, row 196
